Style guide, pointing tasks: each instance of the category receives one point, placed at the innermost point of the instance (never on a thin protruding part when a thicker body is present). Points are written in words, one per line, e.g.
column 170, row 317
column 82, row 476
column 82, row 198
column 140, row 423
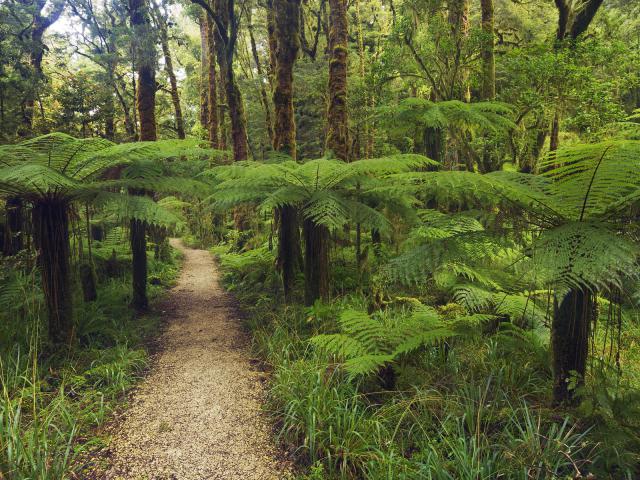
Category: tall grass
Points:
column 50, row 401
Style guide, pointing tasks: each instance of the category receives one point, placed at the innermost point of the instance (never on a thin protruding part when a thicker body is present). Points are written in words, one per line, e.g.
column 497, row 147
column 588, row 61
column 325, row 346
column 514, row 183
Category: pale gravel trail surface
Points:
column 197, row 415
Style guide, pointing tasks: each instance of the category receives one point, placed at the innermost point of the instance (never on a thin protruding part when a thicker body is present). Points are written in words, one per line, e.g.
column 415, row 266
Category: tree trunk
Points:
column 225, row 52
column 263, row 91
column 458, row 13
column 316, row 262
column 337, row 123
column 554, row 134
column 288, row 247
column 138, row 239
column 287, row 16
column 212, row 120
column 570, row 331
column 204, row 71
column 14, row 227
column 145, row 101
column 286, row 26
column 168, row 67
column 487, row 53
column 51, row 236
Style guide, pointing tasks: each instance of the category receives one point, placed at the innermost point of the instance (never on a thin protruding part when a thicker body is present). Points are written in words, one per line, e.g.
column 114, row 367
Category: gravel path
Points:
column 197, row 415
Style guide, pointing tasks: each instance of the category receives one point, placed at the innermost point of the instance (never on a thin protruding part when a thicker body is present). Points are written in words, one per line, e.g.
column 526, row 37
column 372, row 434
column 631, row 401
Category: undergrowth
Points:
column 52, row 402
column 471, row 406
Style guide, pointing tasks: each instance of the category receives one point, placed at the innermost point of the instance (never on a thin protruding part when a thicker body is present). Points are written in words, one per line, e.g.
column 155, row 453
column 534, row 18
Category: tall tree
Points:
column 227, row 27
column 204, row 71
column 144, row 47
column 161, row 23
column 212, row 81
column 573, row 21
column 337, row 121
column 487, row 51
column 287, row 31
column 40, row 23
column 263, row 90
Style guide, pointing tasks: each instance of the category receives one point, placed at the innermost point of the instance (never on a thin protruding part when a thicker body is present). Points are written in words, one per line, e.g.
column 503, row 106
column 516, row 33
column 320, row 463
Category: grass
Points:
column 479, row 409
column 51, row 404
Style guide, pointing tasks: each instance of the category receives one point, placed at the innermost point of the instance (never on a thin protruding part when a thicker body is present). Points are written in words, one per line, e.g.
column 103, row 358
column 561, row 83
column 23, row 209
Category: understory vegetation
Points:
column 428, row 210
column 52, row 403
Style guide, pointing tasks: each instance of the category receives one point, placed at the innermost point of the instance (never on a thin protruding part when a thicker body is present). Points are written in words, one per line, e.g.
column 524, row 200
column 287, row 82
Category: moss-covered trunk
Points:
column 337, row 121
column 316, row 262
column 570, row 331
column 212, row 90
column 204, row 71
column 288, row 247
column 51, row 236
column 487, row 51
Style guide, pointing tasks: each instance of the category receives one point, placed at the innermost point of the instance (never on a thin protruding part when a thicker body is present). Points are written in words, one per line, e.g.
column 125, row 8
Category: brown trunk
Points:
column 458, row 11
column 145, row 101
column 263, row 91
column 51, row 236
column 225, row 49
column 316, row 262
column 287, row 29
column 273, row 41
column 337, row 124
column 168, row 66
column 570, row 331
column 212, row 120
column 285, row 16
column 204, row 71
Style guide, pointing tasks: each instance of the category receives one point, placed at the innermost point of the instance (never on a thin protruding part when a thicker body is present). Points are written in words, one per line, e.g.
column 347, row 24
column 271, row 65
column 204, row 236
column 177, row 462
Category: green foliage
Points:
column 365, row 344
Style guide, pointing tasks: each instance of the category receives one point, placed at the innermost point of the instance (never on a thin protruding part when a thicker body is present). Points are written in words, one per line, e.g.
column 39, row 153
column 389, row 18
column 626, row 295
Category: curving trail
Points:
column 197, row 415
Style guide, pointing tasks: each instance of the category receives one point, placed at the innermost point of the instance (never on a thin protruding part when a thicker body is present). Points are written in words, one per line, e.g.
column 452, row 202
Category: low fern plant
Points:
column 366, row 344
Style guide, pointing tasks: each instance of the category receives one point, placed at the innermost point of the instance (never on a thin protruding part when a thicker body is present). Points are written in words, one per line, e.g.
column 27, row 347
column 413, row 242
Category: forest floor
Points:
column 197, row 414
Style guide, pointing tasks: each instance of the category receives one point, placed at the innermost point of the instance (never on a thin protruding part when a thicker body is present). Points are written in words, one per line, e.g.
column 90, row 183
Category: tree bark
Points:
column 38, row 28
column 145, row 101
column 316, row 262
column 287, row 17
column 286, row 29
column 204, row 71
column 51, row 236
column 570, row 331
column 168, row 67
column 487, row 54
column 263, row 91
column 458, row 11
column 337, row 122
column 212, row 120
column 14, row 227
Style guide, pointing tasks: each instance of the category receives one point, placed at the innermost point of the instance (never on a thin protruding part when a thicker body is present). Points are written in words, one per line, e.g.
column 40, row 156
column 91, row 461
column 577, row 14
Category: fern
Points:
column 366, row 344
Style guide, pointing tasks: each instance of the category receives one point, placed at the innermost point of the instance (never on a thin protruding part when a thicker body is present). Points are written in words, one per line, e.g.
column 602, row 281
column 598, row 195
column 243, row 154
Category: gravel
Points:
column 197, row 415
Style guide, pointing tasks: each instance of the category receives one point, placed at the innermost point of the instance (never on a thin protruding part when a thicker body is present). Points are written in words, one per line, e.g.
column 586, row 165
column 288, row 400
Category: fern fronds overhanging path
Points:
column 197, row 415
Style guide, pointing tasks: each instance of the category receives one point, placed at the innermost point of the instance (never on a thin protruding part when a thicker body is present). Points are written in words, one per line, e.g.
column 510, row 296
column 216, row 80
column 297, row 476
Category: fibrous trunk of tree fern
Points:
column 212, row 80
column 288, row 247
column 286, row 17
column 316, row 262
column 570, row 332
column 337, row 123
column 145, row 101
column 14, row 226
column 51, row 236
column 138, row 240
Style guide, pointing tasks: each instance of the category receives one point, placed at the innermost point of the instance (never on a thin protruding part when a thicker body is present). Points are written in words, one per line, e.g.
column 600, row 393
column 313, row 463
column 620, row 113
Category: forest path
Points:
column 197, row 415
